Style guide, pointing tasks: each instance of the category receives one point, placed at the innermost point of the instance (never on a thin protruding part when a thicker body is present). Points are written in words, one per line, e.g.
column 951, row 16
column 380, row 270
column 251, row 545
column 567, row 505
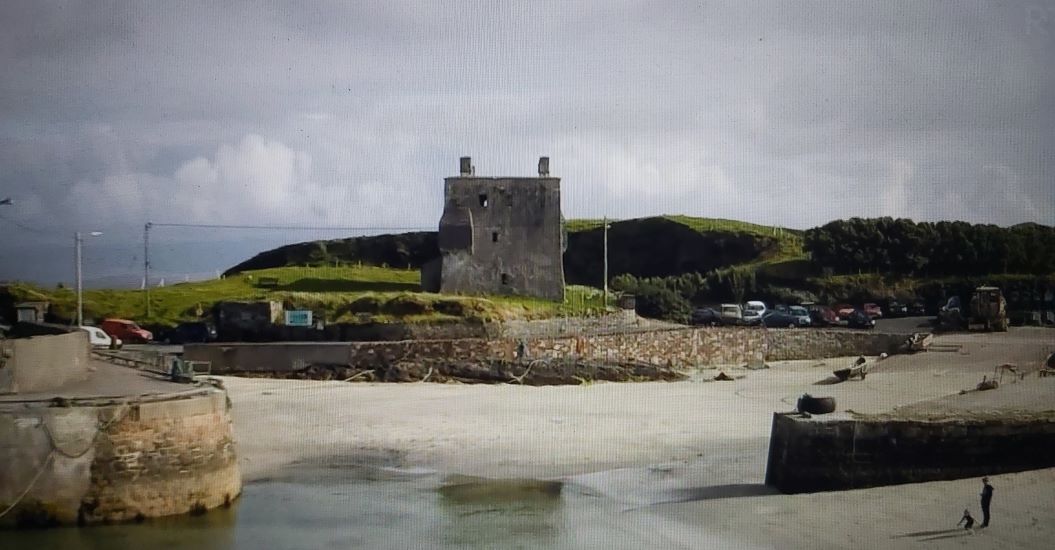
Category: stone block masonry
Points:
column 679, row 347
column 684, row 348
column 501, row 236
column 785, row 345
column 824, row 454
column 42, row 363
column 87, row 463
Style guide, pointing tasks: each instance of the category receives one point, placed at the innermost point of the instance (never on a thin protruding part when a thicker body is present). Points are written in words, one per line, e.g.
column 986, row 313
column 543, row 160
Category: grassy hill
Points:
column 667, row 246
column 655, row 246
column 376, row 278
column 350, row 294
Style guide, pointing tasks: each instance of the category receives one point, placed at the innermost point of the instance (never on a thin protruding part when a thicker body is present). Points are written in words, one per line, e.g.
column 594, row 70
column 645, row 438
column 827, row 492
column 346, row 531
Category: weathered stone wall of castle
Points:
column 502, row 236
column 89, row 463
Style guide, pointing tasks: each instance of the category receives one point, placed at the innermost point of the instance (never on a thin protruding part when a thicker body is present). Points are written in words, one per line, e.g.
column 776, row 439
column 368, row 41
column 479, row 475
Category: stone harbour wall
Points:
column 789, row 344
column 679, row 347
column 43, row 363
column 87, row 463
column 693, row 347
column 821, row 454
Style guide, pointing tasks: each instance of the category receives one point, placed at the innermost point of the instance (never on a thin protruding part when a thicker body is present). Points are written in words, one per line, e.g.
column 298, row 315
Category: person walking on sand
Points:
column 987, row 497
column 967, row 520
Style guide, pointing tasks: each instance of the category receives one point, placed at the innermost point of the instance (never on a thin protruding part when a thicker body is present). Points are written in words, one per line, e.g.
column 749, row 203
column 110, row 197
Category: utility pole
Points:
column 606, row 263
column 78, row 240
column 77, row 269
column 146, row 266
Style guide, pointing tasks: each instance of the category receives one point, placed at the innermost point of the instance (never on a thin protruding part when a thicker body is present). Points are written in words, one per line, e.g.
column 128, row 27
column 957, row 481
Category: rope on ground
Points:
column 99, row 428
column 44, row 466
column 357, row 375
column 520, row 379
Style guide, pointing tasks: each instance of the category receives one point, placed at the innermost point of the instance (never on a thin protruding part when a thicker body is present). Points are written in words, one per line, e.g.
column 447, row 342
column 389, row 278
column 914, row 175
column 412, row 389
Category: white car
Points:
column 98, row 338
column 732, row 314
column 753, row 312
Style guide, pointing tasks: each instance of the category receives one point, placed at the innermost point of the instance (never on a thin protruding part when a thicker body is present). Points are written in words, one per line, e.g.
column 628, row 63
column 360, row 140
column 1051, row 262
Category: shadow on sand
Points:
column 936, row 535
column 714, row 492
column 961, row 533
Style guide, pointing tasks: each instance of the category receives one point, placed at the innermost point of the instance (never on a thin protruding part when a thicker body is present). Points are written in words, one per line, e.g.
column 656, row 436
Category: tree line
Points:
column 924, row 249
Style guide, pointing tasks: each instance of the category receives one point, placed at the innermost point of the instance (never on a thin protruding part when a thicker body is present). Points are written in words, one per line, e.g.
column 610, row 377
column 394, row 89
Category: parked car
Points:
column 896, row 309
column 802, row 314
column 917, row 309
column 706, row 316
column 732, row 314
column 779, row 319
column 822, row 316
column 753, row 312
column 99, row 338
column 193, row 332
column 843, row 310
column 859, row 319
column 873, row 310
column 126, row 330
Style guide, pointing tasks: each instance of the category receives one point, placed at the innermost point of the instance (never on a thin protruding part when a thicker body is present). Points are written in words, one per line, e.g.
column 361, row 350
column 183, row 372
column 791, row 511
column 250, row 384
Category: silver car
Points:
column 802, row 314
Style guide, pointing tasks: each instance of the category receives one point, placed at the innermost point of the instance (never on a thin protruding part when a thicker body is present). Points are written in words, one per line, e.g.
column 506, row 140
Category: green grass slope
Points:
column 652, row 246
column 351, row 294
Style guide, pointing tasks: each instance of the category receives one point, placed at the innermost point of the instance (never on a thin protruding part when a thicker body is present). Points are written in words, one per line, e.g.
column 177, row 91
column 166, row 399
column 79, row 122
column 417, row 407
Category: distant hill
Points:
column 398, row 250
column 644, row 247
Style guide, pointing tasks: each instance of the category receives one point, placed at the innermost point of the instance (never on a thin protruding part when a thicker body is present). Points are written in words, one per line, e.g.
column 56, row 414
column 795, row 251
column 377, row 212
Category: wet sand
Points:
column 689, row 456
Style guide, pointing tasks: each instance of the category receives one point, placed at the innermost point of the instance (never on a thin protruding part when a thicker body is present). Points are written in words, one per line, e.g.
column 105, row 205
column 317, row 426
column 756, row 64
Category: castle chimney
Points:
column 466, row 166
column 543, row 166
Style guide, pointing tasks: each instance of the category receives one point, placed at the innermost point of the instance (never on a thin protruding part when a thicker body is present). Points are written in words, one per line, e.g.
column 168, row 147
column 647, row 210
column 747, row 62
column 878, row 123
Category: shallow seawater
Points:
column 390, row 509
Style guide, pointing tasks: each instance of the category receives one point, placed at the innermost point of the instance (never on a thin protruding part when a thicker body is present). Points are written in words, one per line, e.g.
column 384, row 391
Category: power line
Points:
column 26, row 227
column 149, row 225
column 289, row 227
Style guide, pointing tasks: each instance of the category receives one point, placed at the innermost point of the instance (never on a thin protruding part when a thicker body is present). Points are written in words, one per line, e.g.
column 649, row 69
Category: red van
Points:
column 126, row 330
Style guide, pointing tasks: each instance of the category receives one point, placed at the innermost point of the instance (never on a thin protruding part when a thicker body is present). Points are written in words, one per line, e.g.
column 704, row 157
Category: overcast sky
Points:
column 352, row 113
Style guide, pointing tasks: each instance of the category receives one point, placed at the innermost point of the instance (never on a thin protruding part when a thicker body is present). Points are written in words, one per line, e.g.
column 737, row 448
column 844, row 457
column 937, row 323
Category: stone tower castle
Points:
column 501, row 235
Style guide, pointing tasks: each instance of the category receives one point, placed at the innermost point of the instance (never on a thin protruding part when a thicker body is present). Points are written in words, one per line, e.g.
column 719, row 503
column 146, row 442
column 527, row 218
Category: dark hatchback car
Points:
column 706, row 316
column 896, row 309
column 779, row 319
column 189, row 333
column 860, row 319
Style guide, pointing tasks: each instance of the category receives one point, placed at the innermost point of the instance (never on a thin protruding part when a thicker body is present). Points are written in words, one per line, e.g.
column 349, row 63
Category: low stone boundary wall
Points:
column 86, row 463
column 690, row 347
column 681, row 347
column 789, row 344
column 807, row 455
column 43, row 363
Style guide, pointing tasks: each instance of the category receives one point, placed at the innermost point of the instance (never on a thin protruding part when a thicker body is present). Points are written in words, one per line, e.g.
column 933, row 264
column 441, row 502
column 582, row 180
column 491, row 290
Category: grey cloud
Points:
column 777, row 113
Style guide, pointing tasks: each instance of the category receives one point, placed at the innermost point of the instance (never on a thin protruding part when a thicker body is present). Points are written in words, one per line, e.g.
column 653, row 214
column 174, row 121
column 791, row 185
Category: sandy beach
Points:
column 687, row 455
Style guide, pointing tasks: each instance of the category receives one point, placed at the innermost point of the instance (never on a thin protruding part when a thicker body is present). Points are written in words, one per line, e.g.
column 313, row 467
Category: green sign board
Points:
column 298, row 317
